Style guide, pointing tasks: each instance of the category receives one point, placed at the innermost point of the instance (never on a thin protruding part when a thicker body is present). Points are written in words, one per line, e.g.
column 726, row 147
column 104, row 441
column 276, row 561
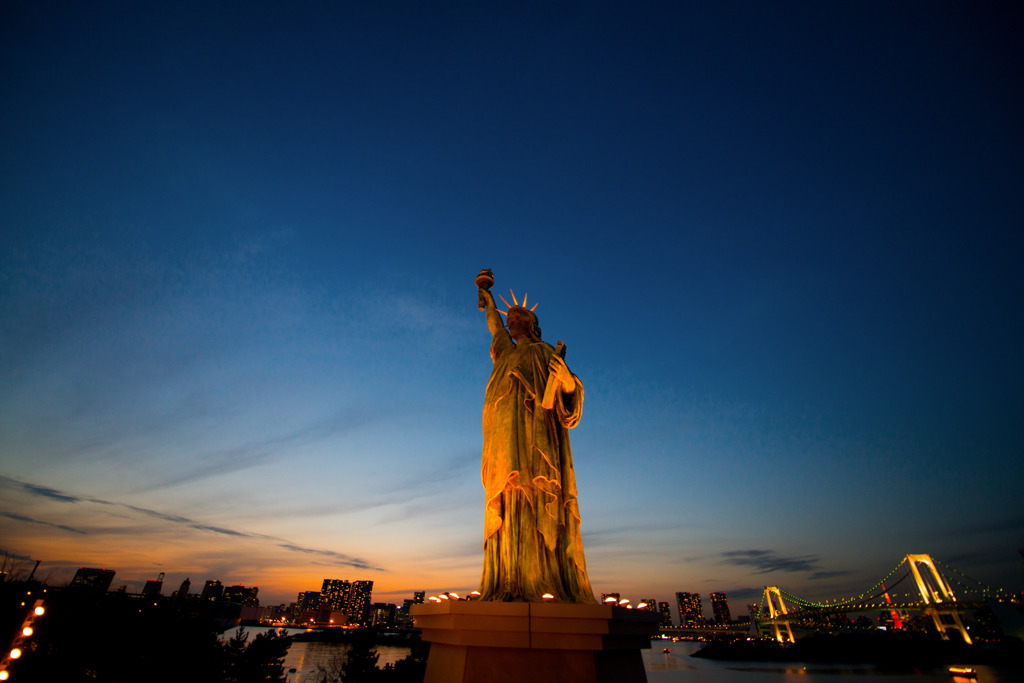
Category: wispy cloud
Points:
column 767, row 561
column 748, row 593
column 980, row 557
column 331, row 555
column 262, row 451
column 1014, row 523
column 830, row 575
column 629, row 534
column 60, row 496
column 6, row 556
column 456, row 466
column 48, row 492
column 419, row 494
column 29, row 520
column 436, row 324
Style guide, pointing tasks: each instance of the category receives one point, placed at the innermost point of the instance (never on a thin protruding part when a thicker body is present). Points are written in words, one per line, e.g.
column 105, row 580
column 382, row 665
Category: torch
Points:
column 485, row 280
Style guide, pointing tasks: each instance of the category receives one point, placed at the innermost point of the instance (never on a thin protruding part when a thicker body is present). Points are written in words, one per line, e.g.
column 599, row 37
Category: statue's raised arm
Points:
column 484, row 282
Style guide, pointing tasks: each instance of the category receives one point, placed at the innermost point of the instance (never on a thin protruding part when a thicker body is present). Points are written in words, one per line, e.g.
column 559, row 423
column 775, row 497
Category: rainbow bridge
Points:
column 930, row 593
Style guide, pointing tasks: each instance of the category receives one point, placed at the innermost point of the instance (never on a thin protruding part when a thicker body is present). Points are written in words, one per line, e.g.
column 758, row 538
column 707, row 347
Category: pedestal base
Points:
column 519, row 642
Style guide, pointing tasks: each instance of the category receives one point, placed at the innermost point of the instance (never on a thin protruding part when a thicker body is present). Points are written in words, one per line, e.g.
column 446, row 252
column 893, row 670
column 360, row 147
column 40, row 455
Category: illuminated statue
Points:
column 532, row 546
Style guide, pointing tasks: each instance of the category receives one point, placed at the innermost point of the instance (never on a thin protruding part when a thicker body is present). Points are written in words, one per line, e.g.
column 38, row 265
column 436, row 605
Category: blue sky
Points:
column 782, row 244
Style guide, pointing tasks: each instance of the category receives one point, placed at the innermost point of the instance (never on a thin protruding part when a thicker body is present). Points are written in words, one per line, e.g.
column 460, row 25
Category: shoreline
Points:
column 889, row 650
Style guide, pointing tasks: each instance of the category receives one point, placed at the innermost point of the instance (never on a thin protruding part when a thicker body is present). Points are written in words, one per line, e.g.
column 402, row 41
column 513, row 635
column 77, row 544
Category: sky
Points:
column 782, row 242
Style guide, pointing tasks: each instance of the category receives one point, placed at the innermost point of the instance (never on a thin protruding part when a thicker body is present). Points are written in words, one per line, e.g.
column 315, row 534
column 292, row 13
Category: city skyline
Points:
column 782, row 245
column 353, row 598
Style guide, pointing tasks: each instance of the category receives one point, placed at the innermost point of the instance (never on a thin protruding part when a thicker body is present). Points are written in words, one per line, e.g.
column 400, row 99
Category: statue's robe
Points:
column 532, row 543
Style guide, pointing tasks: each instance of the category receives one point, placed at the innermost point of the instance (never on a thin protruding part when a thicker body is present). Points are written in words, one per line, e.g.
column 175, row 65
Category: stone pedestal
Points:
column 519, row 642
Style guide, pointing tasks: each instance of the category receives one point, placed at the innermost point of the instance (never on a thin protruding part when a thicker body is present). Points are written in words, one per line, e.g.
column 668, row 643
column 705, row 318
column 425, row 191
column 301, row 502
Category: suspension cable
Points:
column 880, row 587
column 845, row 601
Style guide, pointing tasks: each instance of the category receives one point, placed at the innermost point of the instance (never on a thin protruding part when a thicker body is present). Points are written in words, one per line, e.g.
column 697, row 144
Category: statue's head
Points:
column 522, row 322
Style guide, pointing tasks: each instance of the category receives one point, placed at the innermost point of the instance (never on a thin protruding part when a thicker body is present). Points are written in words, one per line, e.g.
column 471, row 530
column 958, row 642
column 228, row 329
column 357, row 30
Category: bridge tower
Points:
column 935, row 591
column 774, row 611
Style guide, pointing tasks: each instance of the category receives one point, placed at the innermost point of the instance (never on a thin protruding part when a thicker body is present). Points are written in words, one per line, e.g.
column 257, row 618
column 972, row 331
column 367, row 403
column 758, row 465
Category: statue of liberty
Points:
column 532, row 546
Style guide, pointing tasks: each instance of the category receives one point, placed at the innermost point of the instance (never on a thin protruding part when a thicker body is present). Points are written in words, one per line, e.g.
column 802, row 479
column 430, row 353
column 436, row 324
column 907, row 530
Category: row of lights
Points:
column 475, row 595
column 447, row 595
column 19, row 640
column 440, row 597
column 624, row 602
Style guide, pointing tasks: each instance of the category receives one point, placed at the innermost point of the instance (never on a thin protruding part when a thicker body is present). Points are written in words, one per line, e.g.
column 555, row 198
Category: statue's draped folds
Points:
column 532, row 543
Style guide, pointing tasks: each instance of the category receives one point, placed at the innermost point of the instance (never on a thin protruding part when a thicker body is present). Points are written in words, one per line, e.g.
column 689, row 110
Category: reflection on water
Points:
column 656, row 660
column 675, row 666
column 668, row 664
column 811, row 671
column 308, row 658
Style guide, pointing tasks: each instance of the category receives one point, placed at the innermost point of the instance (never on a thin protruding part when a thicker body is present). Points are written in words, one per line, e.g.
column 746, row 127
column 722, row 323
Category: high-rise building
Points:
column 649, row 604
column 306, row 603
column 334, row 594
column 382, row 615
column 242, row 595
column 97, row 580
column 212, row 590
column 183, row 589
column 357, row 604
column 691, row 610
column 666, row 613
column 403, row 618
column 720, row 607
column 153, row 587
column 307, row 600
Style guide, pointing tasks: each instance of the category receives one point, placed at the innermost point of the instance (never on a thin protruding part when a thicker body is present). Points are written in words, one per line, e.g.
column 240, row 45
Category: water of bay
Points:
column 677, row 666
column 310, row 658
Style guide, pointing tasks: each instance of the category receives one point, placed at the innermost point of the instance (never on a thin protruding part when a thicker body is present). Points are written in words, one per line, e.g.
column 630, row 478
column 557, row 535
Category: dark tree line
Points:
column 109, row 638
